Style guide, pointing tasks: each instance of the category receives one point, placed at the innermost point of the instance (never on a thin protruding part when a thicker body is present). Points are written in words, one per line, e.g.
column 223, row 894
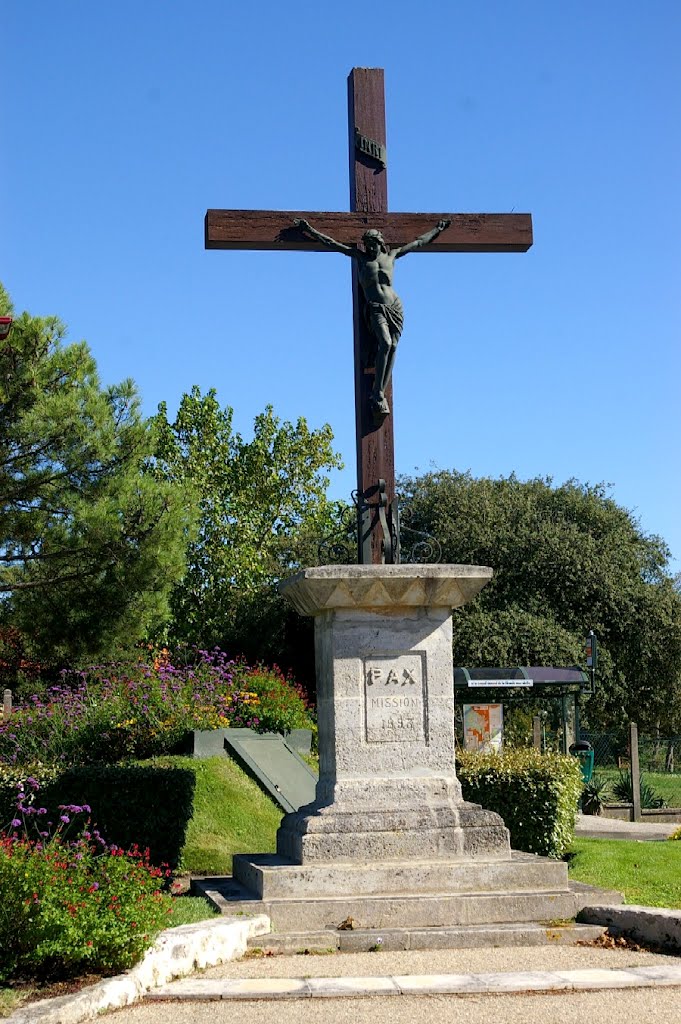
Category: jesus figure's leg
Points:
column 381, row 378
column 394, row 338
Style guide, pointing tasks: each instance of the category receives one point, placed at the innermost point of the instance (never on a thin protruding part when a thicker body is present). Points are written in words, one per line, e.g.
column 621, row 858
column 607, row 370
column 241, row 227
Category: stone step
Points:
column 441, row 910
column 272, row 877
column 391, row 939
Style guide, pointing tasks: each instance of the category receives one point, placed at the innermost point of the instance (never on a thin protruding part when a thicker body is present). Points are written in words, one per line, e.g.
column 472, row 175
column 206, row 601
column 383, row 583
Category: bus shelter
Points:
column 536, row 683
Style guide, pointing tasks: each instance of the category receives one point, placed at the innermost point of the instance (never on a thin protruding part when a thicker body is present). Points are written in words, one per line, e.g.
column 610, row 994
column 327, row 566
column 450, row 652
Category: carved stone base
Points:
column 387, row 785
column 328, row 834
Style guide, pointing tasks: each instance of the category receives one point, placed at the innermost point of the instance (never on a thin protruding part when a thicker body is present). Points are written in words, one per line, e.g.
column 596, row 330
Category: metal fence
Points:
column 659, row 763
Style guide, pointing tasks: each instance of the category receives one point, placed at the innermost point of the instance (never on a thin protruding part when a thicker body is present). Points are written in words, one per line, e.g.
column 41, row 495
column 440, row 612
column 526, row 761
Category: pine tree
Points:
column 91, row 542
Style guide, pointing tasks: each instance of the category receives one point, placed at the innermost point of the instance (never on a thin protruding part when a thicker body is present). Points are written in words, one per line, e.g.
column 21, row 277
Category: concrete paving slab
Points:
column 334, row 987
column 190, row 988
column 597, row 978
column 524, row 981
column 666, row 974
column 267, row 988
column 591, row 979
column 429, row 984
column 594, row 826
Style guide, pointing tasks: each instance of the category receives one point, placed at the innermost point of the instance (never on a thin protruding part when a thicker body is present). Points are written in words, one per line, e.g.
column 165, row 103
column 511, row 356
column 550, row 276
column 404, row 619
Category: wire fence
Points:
column 660, row 768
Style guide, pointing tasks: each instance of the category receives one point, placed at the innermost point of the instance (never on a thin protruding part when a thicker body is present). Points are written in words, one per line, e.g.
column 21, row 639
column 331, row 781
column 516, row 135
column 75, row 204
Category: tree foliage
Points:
column 262, row 508
column 566, row 560
column 90, row 542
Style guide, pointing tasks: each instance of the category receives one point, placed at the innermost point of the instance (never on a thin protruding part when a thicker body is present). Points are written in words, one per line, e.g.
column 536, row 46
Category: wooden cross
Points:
column 275, row 230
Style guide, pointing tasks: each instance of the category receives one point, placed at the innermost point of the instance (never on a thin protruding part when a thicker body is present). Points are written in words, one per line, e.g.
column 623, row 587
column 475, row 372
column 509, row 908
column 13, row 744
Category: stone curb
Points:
column 653, row 925
column 193, row 989
column 175, row 953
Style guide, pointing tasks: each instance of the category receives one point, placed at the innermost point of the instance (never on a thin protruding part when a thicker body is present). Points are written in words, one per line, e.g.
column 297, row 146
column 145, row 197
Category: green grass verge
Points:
column 11, row 999
column 647, row 873
column 231, row 815
column 189, row 910
column 666, row 785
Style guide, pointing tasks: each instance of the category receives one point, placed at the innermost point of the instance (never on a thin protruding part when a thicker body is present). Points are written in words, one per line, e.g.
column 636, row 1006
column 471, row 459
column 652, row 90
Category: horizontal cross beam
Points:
column 274, row 230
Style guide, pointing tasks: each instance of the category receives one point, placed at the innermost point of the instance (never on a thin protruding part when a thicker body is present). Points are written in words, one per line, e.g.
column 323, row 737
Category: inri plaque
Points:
column 395, row 698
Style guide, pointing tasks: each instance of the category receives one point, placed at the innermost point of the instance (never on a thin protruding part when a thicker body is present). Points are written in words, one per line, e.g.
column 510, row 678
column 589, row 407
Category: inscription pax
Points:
column 394, row 698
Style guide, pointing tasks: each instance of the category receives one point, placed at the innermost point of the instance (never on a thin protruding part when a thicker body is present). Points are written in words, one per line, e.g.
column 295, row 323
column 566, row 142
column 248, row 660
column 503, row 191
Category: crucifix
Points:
column 378, row 522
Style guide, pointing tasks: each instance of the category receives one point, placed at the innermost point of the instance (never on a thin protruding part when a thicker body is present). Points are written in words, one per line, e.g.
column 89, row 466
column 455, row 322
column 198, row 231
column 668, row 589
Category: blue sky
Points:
column 124, row 122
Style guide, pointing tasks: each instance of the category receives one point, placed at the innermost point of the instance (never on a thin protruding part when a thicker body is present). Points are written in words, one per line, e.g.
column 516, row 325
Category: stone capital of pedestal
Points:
column 384, row 587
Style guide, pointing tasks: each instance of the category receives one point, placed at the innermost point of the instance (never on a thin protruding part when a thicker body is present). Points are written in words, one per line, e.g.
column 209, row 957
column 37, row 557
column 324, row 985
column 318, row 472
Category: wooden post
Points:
column 369, row 195
column 6, row 703
column 635, row 771
column 536, row 732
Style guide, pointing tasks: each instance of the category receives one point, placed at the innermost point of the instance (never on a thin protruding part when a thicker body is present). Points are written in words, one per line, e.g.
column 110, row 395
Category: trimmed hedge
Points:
column 145, row 805
column 536, row 795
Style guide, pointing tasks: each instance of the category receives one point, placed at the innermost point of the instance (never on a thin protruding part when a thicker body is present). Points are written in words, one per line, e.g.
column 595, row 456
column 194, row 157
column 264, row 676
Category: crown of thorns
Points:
column 373, row 234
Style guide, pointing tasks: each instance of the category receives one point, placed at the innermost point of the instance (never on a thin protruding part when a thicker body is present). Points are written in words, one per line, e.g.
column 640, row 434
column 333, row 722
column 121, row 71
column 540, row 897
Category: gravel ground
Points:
column 633, row 1006
column 629, row 1006
column 437, row 961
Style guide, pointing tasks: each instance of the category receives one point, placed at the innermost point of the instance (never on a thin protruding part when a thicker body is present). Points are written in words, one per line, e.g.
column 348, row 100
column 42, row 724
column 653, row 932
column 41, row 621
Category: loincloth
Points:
column 385, row 314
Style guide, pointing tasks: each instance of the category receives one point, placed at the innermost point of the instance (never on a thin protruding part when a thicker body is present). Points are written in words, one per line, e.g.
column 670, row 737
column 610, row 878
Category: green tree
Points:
column 90, row 541
column 566, row 560
column 262, row 510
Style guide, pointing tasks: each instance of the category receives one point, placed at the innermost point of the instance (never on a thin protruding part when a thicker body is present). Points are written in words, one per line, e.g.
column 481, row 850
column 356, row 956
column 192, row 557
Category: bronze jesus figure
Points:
column 385, row 317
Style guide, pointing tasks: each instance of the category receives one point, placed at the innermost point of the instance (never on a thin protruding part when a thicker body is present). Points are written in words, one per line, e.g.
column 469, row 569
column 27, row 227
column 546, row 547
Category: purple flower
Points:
column 65, row 818
column 15, row 823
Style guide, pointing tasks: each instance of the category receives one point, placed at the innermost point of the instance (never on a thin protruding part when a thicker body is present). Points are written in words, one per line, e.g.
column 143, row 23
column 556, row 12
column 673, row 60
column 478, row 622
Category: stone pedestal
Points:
column 388, row 842
column 387, row 787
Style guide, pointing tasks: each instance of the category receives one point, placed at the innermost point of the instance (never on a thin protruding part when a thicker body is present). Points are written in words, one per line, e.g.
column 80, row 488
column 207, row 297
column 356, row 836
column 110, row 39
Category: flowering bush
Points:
column 281, row 703
column 69, row 906
column 109, row 713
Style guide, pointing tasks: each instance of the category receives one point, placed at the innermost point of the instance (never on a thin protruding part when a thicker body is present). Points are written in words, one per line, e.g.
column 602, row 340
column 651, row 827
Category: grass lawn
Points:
column 189, row 910
column 231, row 815
column 664, row 784
column 647, row 873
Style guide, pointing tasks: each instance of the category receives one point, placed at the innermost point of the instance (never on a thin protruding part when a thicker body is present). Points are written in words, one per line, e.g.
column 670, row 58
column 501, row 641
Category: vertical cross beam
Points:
column 369, row 195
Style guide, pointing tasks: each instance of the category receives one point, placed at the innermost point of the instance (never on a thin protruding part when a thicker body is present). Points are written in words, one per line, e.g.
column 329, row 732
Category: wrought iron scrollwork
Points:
column 400, row 541
column 340, row 547
column 417, row 546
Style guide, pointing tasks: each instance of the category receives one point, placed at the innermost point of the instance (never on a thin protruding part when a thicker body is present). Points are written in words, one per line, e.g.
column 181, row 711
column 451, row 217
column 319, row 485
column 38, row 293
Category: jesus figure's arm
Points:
column 426, row 239
column 330, row 243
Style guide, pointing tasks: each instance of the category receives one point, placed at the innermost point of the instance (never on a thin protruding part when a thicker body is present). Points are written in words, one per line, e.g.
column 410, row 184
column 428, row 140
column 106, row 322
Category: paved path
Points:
column 639, row 1006
column 629, row 1006
column 596, row 827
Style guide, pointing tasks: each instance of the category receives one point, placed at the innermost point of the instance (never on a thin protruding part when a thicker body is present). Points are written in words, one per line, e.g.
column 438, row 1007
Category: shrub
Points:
column 73, row 906
column 623, row 790
column 110, row 713
column 595, row 794
column 145, row 805
column 281, row 703
column 536, row 795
